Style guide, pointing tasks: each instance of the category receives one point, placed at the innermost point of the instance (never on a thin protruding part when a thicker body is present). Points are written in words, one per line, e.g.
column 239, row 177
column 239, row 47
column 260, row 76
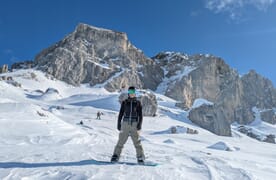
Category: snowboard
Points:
column 146, row 163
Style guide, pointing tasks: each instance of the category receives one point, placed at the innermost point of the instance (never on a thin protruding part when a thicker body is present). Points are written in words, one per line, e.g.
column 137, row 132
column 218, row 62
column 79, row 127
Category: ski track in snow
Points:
column 218, row 169
column 40, row 141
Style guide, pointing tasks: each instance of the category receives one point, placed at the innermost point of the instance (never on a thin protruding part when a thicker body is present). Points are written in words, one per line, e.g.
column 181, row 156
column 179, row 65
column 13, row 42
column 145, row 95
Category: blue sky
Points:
column 242, row 32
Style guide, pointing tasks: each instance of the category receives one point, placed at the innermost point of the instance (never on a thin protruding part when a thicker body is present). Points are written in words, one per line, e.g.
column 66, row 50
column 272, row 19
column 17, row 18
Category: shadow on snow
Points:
column 6, row 165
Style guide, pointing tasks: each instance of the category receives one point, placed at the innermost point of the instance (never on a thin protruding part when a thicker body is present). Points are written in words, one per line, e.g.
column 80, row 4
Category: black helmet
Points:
column 131, row 88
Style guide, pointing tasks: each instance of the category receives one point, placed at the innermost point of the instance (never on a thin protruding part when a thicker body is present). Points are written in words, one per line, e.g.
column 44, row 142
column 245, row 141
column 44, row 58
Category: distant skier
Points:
column 129, row 123
column 99, row 115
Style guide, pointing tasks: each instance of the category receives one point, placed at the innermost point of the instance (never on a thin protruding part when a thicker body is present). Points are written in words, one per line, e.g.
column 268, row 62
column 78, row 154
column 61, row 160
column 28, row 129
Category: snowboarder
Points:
column 129, row 124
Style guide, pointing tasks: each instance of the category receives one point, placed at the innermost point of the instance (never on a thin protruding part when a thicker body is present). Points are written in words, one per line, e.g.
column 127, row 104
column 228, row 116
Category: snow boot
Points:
column 140, row 160
column 114, row 158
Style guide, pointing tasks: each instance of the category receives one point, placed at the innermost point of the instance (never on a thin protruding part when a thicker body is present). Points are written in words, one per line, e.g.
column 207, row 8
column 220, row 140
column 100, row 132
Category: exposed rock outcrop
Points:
column 4, row 69
column 181, row 129
column 10, row 80
column 270, row 138
column 211, row 118
column 258, row 91
column 23, row 65
column 268, row 116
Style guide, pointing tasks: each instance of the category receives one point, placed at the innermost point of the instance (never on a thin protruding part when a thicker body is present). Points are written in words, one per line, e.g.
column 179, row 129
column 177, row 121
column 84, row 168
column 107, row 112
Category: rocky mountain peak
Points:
column 83, row 29
column 99, row 56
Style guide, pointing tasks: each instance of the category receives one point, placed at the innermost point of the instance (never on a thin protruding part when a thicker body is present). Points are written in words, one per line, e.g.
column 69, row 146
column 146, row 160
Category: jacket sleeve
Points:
column 140, row 116
column 121, row 113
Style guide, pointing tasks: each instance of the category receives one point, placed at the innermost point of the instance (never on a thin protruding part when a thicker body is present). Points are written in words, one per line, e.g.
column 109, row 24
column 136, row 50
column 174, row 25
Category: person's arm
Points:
column 121, row 113
column 140, row 116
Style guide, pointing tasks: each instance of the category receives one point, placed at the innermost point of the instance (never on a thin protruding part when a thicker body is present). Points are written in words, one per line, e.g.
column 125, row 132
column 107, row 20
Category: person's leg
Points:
column 123, row 136
column 137, row 142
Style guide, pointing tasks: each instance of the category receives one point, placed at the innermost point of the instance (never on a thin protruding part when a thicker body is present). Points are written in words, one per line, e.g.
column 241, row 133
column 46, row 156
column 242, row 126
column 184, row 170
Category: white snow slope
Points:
column 41, row 138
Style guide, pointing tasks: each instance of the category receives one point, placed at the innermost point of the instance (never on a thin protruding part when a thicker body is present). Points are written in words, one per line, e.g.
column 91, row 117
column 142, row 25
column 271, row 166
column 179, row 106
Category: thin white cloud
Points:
column 235, row 8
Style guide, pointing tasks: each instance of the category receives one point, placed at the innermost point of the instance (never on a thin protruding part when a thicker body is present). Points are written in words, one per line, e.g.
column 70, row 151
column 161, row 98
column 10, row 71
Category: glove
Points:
column 119, row 126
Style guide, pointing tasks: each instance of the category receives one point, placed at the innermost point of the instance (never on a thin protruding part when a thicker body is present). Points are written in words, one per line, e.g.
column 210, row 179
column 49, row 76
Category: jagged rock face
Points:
column 96, row 56
column 270, row 139
column 212, row 118
column 195, row 77
column 23, row 65
column 231, row 100
column 205, row 77
column 242, row 115
column 4, row 69
column 259, row 91
column 242, row 94
column 125, row 79
column 148, row 101
column 268, row 116
column 176, row 66
column 188, row 78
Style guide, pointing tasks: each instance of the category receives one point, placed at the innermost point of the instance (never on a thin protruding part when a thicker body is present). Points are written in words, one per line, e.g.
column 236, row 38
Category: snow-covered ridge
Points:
column 199, row 102
column 105, row 66
column 163, row 86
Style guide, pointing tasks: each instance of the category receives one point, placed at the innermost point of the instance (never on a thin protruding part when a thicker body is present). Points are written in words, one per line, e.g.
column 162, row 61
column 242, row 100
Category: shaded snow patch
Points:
column 169, row 141
column 223, row 146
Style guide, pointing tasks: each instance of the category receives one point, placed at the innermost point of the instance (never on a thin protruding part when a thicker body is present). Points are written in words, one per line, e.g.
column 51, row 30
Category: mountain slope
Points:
column 42, row 138
column 106, row 58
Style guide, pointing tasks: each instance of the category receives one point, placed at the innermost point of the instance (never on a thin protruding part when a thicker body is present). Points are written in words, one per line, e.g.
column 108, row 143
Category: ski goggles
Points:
column 131, row 91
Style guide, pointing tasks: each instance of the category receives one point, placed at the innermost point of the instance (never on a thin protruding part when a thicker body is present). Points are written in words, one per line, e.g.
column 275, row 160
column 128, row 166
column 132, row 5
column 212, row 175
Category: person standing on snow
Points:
column 99, row 115
column 129, row 123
